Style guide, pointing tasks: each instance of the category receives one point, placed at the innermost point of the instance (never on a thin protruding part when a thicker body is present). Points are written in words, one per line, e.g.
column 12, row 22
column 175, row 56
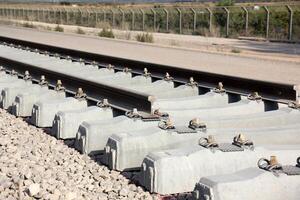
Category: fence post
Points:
column 81, row 16
column 267, row 22
column 96, row 18
column 113, row 17
column 12, row 13
column 5, row 11
column 123, row 18
column 18, row 10
column 27, row 14
column 291, row 22
column 132, row 19
column 20, row 13
column 38, row 14
column 49, row 16
column 9, row 13
column 210, row 19
column 67, row 16
column 88, row 18
column 43, row 15
column 104, row 15
column 154, row 19
column 195, row 19
column 227, row 21
column 23, row 13
column 60, row 16
column 180, row 20
column 55, row 16
column 143, row 19
column 246, row 19
column 167, row 19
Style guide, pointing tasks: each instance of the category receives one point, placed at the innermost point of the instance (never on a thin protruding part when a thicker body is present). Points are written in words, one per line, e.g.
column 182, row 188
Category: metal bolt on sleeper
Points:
column 14, row 73
column 146, row 73
column 168, row 77
column 110, row 67
column 126, row 70
column 254, row 96
column 197, row 124
column 80, row 95
column 59, row 86
column 219, row 88
column 192, row 82
column 166, row 124
column 103, row 104
column 208, row 142
column 241, row 141
column 43, row 81
column 277, row 168
column 27, row 76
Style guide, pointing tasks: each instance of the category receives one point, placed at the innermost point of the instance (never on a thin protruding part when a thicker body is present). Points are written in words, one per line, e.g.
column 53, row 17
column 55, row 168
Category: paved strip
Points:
column 259, row 69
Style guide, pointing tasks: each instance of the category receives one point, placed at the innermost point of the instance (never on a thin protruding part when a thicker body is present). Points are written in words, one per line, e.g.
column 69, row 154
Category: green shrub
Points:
column 106, row 33
column 235, row 51
column 145, row 37
column 59, row 28
column 225, row 3
column 80, row 31
column 28, row 25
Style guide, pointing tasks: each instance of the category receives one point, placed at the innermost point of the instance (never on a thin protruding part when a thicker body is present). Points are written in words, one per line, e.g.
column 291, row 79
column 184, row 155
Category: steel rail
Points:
column 268, row 90
column 119, row 98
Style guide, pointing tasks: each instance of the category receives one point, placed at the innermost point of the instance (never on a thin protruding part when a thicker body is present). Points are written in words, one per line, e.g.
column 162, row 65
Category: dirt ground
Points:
column 261, row 64
column 247, row 48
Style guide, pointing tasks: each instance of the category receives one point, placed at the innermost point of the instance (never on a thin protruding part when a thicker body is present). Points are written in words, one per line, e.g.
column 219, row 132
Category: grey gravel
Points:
column 35, row 165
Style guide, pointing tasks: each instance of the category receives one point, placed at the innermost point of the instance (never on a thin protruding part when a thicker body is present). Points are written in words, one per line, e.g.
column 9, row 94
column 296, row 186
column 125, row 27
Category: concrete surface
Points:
column 248, row 184
column 66, row 123
column 43, row 111
column 192, row 163
column 126, row 150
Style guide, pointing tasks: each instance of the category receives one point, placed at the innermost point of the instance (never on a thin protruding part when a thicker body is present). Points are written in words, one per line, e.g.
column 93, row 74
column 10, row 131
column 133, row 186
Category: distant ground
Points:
column 251, row 66
column 247, row 48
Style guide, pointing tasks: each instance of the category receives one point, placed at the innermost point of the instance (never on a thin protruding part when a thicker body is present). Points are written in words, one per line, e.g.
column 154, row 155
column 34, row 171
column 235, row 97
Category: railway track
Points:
column 181, row 134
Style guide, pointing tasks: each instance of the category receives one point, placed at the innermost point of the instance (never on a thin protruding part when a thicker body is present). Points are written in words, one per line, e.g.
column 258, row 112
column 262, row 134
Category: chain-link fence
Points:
column 280, row 22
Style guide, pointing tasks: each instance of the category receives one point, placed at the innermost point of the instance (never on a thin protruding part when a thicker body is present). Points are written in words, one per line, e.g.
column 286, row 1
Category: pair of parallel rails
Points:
column 124, row 99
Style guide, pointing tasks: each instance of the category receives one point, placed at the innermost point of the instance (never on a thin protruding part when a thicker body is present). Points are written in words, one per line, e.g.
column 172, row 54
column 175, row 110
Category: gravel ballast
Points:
column 35, row 165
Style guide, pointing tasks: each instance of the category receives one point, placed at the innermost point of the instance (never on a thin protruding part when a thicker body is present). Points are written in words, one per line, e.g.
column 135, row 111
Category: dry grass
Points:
column 28, row 25
column 106, row 33
column 59, row 28
column 145, row 37
column 80, row 31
